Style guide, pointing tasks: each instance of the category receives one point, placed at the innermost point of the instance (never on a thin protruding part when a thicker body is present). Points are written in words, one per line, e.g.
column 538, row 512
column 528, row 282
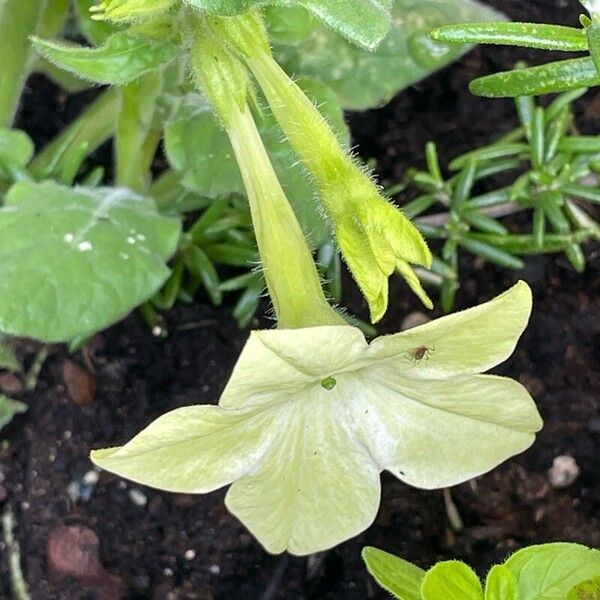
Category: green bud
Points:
column 130, row 10
column 375, row 238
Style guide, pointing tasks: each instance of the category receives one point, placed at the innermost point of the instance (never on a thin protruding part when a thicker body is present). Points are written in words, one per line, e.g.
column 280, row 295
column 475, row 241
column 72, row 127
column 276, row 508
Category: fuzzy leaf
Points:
column 363, row 22
column 549, row 571
column 395, row 575
column 16, row 147
column 122, row 58
column 365, row 79
column 451, row 580
column 73, row 261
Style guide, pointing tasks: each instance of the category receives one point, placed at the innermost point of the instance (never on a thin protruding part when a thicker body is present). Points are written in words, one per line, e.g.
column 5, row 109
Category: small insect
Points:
column 420, row 353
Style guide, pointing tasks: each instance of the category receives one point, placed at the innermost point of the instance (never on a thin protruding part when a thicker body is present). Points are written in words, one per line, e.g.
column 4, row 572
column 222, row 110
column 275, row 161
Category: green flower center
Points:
column 328, row 383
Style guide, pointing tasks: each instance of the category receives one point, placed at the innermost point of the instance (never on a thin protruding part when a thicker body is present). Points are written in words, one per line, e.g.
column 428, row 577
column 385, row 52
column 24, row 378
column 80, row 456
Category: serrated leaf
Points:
column 549, row 571
column 122, row 58
column 363, row 22
column 451, row 580
column 73, row 261
column 200, row 150
column 9, row 408
column 588, row 590
column 395, row 575
column 366, row 79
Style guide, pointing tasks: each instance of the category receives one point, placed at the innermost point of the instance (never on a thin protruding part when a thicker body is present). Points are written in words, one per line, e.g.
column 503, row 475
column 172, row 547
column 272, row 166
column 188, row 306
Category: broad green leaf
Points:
column 124, row 57
column 395, row 575
column 16, row 147
column 549, row 571
column 588, row 590
column 366, row 79
column 553, row 77
column 363, row 22
column 9, row 408
column 73, row 261
column 289, row 25
column 451, row 580
column 527, row 35
column 501, row 584
column 199, row 148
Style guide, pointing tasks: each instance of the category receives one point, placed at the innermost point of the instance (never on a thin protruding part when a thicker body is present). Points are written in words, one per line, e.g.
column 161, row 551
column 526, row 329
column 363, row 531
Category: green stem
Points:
column 19, row 19
column 91, row 129
column 136, row 140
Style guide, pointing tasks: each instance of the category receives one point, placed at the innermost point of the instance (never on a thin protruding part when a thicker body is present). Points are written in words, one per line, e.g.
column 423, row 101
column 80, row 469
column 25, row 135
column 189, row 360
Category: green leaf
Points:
column 501, row 584
column 553, row 77
column 366, row 79
column 200, row 149
column 527, row 35
column 73, row 261
column 16, row 147
column 363, row 22
column 122, row 58
column 549, row 571
column 8, row 359
column 588, row 590
column 451, row 580
column 9, row 408
column 395, row 575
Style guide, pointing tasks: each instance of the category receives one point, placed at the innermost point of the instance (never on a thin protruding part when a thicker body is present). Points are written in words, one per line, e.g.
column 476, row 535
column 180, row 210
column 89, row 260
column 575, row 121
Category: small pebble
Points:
column 414, row 319
column 215, row 569
column 137, row 497
column 564, row 471
column 189, row 554
column 91, row 478
column 167, row 572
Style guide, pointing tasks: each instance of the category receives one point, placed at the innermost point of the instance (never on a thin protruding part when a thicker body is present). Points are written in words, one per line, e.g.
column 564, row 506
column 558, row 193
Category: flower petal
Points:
column 192, row 450
column 470, row 341
column 438, row 434
column 315, row 488
column 281, row 360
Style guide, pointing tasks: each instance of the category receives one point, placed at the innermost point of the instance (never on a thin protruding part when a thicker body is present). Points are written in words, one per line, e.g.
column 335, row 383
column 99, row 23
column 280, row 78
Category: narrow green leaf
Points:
column 489, row 153
column 539, row 226
column 534, row 81
column 492, row 254
column 398, row 577
column 201, row 266
column 593, row 38
column 525, row 35
column 464, row 185
column 538, row 142
column 591, row 194
column 484, row 223
column 248, row 303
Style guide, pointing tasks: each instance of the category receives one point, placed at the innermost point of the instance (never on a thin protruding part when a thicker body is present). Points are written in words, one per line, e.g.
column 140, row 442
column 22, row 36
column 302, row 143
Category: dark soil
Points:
column 139, row 377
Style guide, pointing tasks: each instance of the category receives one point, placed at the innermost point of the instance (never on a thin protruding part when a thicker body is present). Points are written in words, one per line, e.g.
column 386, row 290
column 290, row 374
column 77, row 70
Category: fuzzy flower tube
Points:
column 313, row 413
column 375, row 238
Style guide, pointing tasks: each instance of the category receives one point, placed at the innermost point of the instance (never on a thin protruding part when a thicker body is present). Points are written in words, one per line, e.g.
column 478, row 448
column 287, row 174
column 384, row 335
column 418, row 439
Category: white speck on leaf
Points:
column 131, row 240
column 84, row 246
column 69, row 237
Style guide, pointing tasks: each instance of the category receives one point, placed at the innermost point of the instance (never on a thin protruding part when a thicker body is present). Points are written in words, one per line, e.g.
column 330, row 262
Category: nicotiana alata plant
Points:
column 561, row 76
column 143, row 51
column 560, row 571
column 313, row 412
